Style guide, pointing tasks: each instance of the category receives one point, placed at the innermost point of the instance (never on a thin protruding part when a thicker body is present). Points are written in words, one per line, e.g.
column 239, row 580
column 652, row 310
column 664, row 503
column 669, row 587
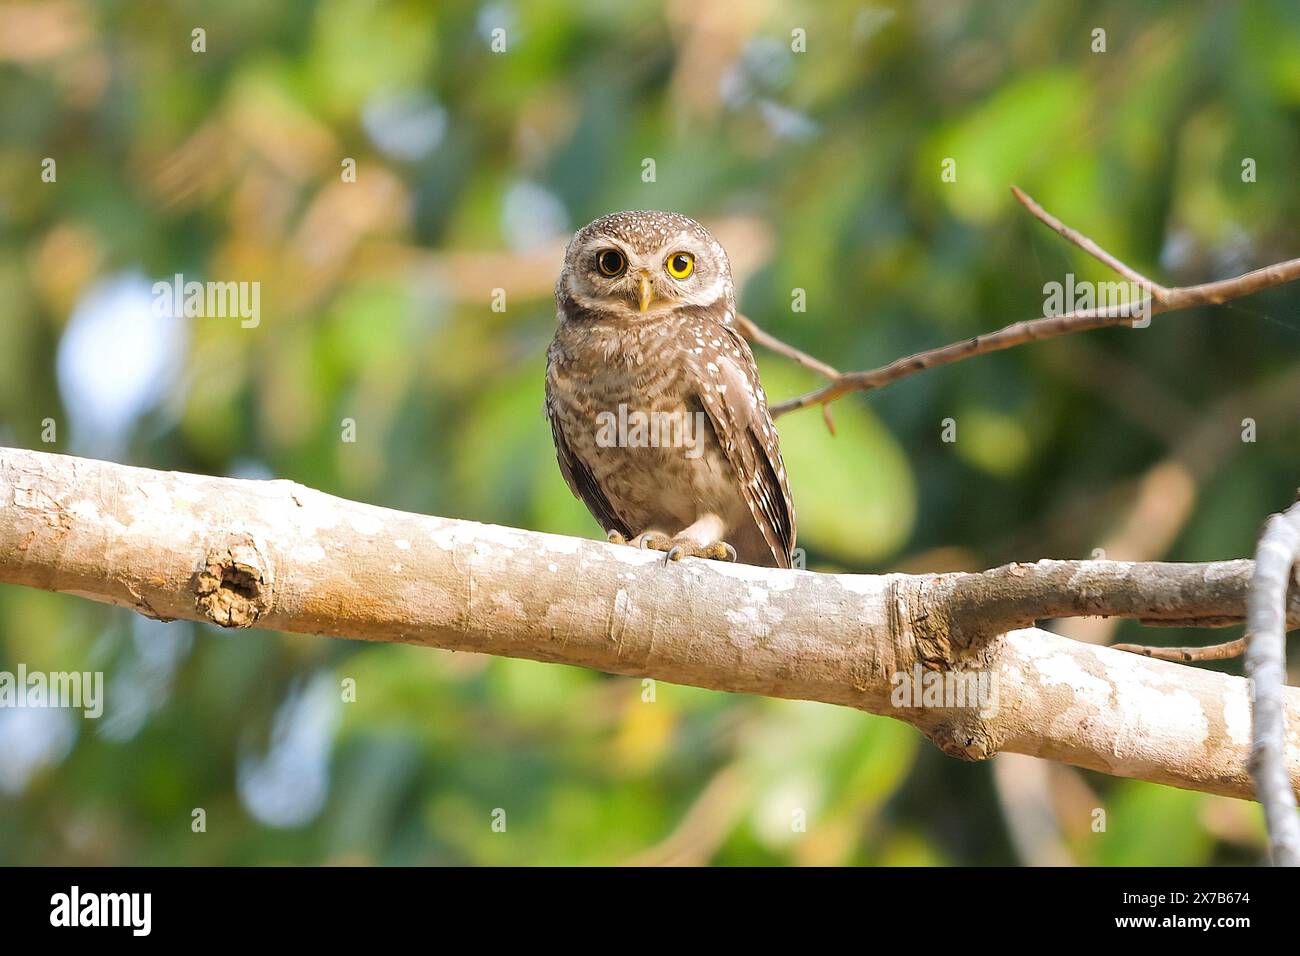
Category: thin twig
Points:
column 754, row 334
column 1275, row 558
column 1188, row 655
column 1157, row 291
column 1161, row 299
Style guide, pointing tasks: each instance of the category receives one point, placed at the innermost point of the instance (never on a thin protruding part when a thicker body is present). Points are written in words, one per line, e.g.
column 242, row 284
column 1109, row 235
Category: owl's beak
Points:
column 647, row 293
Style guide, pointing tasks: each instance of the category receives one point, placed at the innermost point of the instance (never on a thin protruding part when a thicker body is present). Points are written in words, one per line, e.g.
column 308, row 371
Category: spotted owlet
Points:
column 660, row 424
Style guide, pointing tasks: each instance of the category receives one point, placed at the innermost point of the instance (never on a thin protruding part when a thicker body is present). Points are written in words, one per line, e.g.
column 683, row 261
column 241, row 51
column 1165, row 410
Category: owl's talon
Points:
column 650, row 540
column 615, row 537
column 715, row 551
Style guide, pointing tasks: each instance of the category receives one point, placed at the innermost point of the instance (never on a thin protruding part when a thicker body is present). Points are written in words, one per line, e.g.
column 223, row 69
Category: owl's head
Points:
column 644, row 263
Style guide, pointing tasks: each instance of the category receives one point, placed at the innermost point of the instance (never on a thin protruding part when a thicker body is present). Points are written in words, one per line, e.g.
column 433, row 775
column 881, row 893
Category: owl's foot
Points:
column 650, row 540
column 682, row 546
column 679, row 548
column 646, row 539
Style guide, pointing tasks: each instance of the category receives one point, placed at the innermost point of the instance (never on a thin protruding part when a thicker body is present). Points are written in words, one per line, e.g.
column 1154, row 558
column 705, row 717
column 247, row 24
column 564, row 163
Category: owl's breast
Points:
column 629, row 411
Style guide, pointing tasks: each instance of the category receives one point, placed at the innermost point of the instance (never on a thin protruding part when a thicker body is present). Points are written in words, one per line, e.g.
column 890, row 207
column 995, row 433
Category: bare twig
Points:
column 754, row 334
column 1156, row 291
column 705, row 826
column 1160, row 299
column 1187, row 655
column 1275, row 559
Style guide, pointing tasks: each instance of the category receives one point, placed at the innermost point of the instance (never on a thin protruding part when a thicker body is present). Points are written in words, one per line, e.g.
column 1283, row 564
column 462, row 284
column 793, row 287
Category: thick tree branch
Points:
column 1159, row 299
column 279, row 556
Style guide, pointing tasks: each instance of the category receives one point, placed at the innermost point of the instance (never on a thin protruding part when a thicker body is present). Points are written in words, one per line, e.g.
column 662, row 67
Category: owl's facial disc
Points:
column 623, row 277
column 642, row 265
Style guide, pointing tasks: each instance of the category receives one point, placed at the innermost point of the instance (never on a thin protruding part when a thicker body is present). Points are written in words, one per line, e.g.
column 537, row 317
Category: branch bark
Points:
column 278, row 556
column 1275, row 559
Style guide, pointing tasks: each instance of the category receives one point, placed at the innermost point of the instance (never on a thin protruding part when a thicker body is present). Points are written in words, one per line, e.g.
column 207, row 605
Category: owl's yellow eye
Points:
column 680, row 265
column 610, row 262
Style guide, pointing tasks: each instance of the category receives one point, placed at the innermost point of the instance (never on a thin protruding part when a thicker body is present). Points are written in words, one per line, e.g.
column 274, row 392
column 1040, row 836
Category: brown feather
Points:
column 684, row 361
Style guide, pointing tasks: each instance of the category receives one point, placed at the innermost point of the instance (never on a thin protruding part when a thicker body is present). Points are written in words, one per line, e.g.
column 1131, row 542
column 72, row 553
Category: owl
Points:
column 660, row 423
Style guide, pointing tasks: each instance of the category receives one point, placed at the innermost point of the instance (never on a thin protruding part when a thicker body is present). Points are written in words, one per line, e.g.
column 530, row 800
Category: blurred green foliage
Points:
column 820, row 170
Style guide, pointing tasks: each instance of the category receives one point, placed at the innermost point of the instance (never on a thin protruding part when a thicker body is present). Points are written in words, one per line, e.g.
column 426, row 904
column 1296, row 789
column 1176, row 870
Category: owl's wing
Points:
column 726, row 378
column 581, row 481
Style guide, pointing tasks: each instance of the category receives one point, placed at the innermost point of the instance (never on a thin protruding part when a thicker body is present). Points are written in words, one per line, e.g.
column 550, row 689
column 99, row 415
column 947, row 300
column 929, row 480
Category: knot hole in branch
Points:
column 233, row 587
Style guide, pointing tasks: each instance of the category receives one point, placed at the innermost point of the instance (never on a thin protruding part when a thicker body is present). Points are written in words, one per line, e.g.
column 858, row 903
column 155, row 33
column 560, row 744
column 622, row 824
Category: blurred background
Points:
column 818, row 163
